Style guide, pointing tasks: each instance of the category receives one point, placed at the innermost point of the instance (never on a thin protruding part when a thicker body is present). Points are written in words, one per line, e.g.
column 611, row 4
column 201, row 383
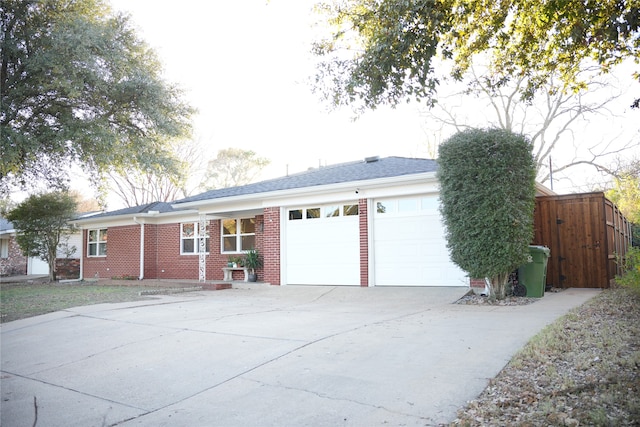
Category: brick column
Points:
column 271, row 245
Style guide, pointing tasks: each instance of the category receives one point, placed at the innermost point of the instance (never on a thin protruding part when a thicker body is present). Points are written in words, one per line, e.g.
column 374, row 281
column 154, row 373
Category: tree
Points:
column 78, row 85
column 387, row 51
column 41, row 222
column 232, row 167
column 549, row 118
column 84, row 204
column 626, row 195
column 487, row 193
column 135, row 187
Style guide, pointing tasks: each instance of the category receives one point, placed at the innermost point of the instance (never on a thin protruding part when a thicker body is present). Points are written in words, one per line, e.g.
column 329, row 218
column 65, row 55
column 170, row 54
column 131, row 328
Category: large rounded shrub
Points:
column 487, row 193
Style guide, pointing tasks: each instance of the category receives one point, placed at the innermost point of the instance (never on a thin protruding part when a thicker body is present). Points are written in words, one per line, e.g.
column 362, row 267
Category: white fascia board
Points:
column 131, row 219
column 322, row 193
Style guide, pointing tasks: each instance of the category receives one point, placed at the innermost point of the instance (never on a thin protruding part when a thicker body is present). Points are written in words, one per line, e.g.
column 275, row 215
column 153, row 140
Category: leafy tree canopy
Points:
column 626, row 191
column 233, row 167
column 384, row 52
column 77, row 84
column 626, row 195
column 41, row 221
column 487, row 193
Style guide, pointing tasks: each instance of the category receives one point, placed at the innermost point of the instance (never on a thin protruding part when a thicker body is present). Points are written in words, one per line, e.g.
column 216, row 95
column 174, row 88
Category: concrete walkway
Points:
column 265, row 356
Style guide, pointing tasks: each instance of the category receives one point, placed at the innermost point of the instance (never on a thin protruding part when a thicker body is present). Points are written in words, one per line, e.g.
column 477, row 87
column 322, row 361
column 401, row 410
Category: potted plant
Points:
column 252, row 260
column 235, row 261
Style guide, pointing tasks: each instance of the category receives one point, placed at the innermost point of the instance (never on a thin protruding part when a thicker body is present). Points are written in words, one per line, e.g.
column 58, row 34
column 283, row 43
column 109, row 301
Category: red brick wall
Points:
column 162, row 253
column 271, row 245
column 67, row 268
column 123, row 254
column 364, row 242
column 170, row 264
column 150, row 251
column 15, row 263
column 476, row 283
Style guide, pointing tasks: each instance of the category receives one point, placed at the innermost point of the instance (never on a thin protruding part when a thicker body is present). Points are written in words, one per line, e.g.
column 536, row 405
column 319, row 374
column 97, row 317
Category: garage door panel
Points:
column 323, row 251
column 410, row 249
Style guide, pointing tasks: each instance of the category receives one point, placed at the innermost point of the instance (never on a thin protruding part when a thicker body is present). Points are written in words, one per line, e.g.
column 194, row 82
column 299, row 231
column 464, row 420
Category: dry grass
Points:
column 582, row 370
column 22, row 300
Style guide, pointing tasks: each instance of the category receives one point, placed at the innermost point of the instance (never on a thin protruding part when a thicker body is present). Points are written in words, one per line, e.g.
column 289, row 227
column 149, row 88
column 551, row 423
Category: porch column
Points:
column 202, row 260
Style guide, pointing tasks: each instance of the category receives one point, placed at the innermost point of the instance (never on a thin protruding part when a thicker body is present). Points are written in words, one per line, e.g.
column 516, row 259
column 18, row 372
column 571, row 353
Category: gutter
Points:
column 316, row 189
column 135, row 219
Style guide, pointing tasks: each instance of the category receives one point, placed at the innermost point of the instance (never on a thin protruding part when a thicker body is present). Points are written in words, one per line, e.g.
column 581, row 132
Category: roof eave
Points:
column 317, row 189
column 131, row 216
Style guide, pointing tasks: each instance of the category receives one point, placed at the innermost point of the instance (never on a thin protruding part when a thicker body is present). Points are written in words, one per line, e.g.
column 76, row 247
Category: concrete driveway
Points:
column 265, row 356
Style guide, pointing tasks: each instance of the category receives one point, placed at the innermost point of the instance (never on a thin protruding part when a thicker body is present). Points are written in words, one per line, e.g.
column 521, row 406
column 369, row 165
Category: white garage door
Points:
column 37, row 266
column 323, row 245
column 410, row 246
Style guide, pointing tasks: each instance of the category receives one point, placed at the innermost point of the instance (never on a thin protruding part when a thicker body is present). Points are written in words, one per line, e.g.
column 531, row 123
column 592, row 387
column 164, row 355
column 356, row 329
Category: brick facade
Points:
column 162, row 258
column 477, row 283
column 67, row 268
column 123, row 254
column 15, row 263
column 271, row 245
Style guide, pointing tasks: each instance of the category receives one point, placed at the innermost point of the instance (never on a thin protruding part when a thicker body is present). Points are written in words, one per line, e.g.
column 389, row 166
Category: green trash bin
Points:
column 533, row 274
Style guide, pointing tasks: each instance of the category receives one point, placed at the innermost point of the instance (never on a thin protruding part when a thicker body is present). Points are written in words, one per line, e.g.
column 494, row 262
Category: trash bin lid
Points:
column 538, row 248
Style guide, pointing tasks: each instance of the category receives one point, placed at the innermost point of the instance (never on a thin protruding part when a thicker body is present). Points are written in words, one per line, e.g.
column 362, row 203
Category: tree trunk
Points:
column 52, row 265
column 498, row 286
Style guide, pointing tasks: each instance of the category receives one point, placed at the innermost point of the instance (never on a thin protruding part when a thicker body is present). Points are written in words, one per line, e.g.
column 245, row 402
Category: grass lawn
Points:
column 19, row 301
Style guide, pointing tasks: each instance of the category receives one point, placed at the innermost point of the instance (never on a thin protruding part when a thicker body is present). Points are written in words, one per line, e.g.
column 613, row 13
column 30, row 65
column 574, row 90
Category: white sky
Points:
column 246, row 66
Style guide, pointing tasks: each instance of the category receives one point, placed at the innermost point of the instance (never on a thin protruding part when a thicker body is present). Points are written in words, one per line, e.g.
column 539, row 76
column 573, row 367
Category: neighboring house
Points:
column 366, row 223
column 12, row 262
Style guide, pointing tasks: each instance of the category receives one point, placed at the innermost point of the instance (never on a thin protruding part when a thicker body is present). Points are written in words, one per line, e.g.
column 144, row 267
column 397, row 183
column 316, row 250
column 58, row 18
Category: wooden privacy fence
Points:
column 585, row 232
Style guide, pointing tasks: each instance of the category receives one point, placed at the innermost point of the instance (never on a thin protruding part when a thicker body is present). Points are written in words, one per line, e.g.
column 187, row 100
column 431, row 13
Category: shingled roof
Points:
column 370, row 168
column 160, row 207
column 5, row 226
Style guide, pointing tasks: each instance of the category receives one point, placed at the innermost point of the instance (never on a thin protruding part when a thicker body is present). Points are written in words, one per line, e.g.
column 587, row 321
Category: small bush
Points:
column 631, row 266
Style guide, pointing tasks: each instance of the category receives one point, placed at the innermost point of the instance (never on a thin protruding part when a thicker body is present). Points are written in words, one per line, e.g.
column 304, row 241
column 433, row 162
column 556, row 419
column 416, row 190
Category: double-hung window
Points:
column 238, row 235
column 190, row 238
column 97, row 242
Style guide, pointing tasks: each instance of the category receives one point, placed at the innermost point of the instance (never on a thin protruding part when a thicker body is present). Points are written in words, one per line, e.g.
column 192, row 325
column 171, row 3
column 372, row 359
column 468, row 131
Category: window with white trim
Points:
column 328, row 211
column 190, row 238
column 238, row 234
column 97, row 242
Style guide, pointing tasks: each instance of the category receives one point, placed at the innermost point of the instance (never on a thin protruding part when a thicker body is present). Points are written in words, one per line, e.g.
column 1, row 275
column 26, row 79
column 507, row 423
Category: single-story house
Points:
column 364, row 223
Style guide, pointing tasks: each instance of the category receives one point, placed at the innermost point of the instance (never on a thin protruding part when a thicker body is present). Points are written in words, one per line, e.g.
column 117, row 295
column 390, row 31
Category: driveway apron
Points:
column 265, row 356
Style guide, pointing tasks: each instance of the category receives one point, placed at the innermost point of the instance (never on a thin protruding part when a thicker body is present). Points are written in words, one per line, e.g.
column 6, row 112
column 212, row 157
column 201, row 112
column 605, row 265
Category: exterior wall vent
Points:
column 371, row 159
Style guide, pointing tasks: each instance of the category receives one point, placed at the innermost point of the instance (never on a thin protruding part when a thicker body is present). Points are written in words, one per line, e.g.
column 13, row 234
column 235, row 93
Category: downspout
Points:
column 141, row 276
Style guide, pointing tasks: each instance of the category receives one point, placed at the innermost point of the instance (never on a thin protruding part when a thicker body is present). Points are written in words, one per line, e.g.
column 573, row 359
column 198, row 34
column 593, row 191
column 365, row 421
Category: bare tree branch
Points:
column 550, row 119
column 135, row 188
